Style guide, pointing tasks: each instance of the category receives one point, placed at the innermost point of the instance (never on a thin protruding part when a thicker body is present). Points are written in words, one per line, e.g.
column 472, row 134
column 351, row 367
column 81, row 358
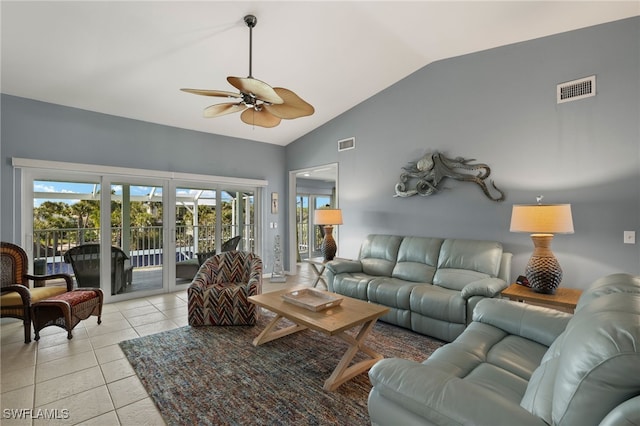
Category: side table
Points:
column 564, row 300
column 317, row 265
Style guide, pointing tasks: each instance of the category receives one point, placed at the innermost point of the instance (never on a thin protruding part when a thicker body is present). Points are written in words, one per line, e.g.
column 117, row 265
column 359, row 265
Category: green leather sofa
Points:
column 518, row 364
column 431, row 285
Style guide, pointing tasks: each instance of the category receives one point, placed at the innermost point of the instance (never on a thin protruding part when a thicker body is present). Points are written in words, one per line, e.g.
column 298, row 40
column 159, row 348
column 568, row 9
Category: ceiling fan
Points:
column 261, row 104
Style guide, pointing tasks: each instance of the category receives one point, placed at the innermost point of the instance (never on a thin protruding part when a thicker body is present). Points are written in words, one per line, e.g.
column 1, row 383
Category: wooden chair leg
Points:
column 27, row 328
column 26, row 322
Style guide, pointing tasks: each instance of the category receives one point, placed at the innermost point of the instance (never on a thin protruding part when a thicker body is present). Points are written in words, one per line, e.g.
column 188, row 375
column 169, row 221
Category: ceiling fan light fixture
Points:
column 261, row 105
column 260, row 118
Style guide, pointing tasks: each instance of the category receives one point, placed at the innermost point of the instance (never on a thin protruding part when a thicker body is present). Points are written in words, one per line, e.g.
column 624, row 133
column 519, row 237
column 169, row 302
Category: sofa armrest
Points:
column 200, row 282
column 23, row 292
column 344, row 266
column 625, row 414
column 442, row 398
column 254, row 283
column 487, row 287
column 542, row 325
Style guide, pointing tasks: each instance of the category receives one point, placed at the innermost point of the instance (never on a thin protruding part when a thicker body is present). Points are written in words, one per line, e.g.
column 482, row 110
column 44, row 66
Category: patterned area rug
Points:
column 215, row 376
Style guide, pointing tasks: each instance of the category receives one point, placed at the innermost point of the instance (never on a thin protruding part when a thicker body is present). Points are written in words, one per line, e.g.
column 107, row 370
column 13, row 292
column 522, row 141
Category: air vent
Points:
column 345, row 144
column 576, row 89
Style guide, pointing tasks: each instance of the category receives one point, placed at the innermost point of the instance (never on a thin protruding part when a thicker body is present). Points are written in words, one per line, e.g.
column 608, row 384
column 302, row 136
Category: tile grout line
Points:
column 161, row 303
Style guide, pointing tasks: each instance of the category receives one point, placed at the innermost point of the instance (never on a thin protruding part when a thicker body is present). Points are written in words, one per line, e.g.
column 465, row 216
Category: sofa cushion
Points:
column 485, row 367
column 542, row 325
column 37, row 294
column 433, row 397
column 597, row 358
column 417, row 259
column 378, row 254
column 439, row 303
column 480, row 343
column 464, row 261
column 352, row 285
column 390, row 292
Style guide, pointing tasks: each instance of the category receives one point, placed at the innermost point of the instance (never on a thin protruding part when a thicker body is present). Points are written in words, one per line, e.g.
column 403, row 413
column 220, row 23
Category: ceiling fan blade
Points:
column 259, row 89
column 218, row 93
column 222, row 109
column 293, row 107
column 260, row 118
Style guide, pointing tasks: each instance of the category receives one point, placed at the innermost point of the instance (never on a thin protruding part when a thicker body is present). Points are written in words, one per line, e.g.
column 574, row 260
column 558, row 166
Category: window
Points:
column 63, row 206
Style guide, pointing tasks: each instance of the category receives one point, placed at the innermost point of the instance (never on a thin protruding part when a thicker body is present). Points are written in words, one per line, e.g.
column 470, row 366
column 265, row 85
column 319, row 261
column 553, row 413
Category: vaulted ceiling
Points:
column 130, row 59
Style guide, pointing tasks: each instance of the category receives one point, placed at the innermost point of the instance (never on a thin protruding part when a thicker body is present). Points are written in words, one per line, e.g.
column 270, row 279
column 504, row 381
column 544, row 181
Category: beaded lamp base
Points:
column 328, row 246
column 543, row 270
column 544, row 274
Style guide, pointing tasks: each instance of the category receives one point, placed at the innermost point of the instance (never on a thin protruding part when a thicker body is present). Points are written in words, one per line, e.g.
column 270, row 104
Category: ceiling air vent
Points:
column 576, row 89
column 345, row 144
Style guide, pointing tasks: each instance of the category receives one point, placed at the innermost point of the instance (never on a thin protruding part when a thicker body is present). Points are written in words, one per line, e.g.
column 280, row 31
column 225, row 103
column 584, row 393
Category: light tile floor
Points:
column 87, row 380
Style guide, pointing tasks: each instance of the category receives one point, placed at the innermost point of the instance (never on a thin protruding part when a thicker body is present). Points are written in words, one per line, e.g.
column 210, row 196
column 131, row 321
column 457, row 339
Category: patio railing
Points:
column 146, row 244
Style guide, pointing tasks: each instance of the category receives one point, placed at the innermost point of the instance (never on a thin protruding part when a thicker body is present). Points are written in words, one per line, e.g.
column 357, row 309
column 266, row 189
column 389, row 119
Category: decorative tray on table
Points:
column 311, row 299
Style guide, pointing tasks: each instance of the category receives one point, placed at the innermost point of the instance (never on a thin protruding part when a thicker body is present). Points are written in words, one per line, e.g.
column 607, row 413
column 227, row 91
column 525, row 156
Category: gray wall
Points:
column 43, row 131
column 498, row 107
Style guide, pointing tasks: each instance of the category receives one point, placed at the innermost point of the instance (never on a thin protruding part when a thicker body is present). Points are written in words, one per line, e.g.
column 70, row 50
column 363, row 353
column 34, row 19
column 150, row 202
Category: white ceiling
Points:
column 130, row 59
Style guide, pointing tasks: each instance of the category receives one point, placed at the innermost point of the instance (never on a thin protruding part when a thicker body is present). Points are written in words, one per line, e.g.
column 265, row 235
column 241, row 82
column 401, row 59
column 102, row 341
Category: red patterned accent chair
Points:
column 218, row 294
column 17, row 296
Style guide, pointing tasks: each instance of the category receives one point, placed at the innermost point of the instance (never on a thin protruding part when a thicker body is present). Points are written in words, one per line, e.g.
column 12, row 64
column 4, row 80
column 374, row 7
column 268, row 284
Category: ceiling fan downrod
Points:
column 251, row 22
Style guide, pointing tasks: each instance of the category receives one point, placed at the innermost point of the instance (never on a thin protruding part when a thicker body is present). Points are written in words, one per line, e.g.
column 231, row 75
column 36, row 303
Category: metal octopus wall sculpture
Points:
column 434, row 167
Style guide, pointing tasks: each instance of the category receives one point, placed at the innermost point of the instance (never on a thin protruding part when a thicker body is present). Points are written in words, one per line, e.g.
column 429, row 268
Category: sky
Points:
column 66, row 188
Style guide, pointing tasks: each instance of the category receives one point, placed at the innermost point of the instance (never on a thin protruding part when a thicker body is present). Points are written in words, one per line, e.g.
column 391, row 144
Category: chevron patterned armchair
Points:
column 218, row 294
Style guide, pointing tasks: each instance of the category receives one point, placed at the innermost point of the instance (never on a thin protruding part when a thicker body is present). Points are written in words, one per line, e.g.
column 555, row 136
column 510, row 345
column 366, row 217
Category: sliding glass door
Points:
column 66, row 214
column 309, row 237
column 208, row 221
column 137, row 237
column 131, row 244
column 194, row 230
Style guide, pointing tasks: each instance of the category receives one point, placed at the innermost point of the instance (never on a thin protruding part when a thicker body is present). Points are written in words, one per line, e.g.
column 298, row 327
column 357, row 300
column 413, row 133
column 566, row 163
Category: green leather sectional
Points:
column 431, row 285
column 518, row 364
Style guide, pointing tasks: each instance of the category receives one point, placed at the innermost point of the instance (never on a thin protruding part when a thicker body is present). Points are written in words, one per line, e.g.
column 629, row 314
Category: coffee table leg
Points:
column 343, row 371
column 269, row 333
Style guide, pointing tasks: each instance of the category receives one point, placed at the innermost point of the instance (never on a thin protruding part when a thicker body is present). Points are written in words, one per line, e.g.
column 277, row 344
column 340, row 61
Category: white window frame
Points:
column 32, row 169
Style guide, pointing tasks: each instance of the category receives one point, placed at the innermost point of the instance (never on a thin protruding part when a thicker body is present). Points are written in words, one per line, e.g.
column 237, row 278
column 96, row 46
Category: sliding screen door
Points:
column 137, row 238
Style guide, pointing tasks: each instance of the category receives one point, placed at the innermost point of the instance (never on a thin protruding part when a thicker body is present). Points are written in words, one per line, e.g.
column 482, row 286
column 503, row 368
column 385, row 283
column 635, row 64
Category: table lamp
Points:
column 328, row 218
column 542, row 221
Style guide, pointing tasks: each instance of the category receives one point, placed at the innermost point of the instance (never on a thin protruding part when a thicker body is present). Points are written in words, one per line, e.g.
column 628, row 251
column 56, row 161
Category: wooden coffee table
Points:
column 334, row 321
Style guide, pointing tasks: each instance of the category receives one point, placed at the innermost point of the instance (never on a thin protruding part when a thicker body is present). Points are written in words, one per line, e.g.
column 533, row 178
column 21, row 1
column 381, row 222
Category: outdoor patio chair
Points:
column 16, row 298
column 230, row 244
column 218, row 295
column 187, row 269
column 85, row 261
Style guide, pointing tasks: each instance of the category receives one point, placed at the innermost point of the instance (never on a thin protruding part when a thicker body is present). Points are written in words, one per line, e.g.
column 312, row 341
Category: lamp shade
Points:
column 327, row 217
column 542, row 218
